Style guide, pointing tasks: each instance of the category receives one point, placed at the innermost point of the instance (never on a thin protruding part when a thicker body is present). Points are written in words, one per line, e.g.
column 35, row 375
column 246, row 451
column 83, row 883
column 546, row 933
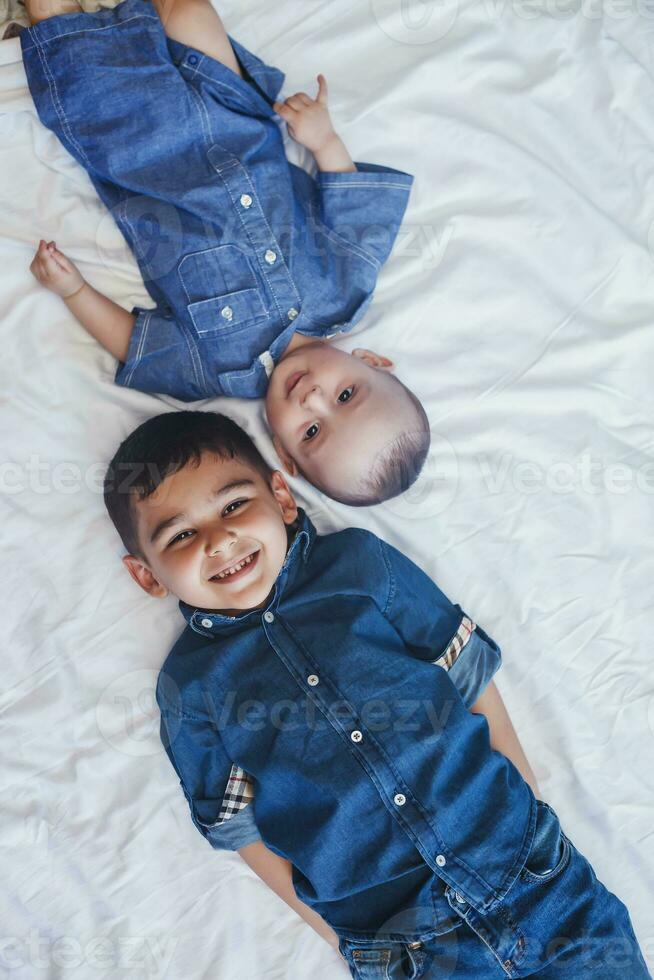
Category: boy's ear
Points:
column 285, row 459
column 374, row 360
column 283, row 496
column 144, row 577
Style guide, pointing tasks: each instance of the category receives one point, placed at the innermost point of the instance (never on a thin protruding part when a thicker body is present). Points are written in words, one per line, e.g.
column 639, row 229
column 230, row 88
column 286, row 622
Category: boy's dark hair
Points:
column 161, row 446
column 395, row 469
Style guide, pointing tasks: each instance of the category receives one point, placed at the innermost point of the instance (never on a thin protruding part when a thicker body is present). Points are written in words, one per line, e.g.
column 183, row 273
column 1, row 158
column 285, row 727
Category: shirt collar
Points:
column 208, row 623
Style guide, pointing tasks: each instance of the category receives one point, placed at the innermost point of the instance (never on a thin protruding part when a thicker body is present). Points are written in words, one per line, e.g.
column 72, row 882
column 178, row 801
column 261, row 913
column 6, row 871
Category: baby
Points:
column 253, row 264
column 332, row 716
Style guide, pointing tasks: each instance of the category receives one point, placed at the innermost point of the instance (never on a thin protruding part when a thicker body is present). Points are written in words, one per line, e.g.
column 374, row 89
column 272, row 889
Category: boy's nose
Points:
column 219, row 540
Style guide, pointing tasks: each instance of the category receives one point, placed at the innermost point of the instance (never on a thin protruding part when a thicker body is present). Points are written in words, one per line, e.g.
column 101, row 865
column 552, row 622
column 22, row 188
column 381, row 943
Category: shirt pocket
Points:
column 227, row 313
column 550, row 851
column 222, row 290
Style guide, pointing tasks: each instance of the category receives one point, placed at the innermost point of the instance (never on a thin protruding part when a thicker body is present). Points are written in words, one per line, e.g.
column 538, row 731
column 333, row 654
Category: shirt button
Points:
column 270, row 257
column 459, row 897
column 206, row 623
column 227, row 312
column 292, row 313
column 192, row 59
column 269, row 617
column 356, row 736
column 246, row 200
column 440, row 860
column 399, row 799
column 312, row 679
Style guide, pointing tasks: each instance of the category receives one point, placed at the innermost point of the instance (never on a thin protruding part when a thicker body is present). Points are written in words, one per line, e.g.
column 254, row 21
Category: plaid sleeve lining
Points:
column 456, row 644
column 239, row 792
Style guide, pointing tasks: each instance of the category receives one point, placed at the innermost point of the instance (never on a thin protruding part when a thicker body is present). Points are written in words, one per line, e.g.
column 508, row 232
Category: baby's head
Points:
column 346, row 423
column 200, row 512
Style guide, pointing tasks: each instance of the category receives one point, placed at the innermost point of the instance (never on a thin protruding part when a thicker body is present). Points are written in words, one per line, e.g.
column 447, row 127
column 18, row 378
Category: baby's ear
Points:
column 285, row 458
column 374, row 360
column 144, row 577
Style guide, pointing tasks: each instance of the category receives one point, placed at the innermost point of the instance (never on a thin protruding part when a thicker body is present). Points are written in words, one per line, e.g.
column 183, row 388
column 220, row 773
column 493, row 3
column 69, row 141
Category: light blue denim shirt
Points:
column 238, row 247
column 334, row 726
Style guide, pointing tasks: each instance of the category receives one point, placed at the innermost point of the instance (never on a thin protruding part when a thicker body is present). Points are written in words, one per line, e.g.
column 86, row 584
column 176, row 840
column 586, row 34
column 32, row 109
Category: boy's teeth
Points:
column 234, row 568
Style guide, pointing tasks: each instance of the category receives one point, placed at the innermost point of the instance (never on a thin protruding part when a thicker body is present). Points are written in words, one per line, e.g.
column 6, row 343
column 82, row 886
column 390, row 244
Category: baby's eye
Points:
column 312, row 431
column 346, row 394
column 233, row 505
column 179, row 537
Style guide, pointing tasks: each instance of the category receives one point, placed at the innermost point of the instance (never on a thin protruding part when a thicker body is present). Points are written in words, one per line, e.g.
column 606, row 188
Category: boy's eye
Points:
column 179, row 537
column 312, row 431
column 233, row 505
column 346, row 394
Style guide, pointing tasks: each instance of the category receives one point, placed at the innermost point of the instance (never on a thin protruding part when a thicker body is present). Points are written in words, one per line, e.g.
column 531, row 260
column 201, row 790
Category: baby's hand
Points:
column 55, row 271
column 308, row 119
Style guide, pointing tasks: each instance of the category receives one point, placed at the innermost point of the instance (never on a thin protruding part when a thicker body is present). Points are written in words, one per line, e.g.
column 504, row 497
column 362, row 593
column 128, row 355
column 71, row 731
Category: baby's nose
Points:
column 312, row 394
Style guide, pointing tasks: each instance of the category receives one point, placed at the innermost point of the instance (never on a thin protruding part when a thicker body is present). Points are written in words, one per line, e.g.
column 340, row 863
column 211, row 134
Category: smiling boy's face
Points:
column 332, row 413
column 214, row 535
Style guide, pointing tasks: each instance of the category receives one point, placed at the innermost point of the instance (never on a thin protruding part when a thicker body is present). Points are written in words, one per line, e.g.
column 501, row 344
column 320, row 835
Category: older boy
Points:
column 326, row 712
column 253, row 264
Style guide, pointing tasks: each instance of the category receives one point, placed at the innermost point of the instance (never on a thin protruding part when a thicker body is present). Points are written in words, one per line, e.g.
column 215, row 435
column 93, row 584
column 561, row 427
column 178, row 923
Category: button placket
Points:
column 260, row 238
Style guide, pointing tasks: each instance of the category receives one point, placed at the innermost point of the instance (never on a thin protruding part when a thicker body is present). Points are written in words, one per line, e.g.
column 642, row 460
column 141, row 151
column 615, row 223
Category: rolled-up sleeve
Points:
column 219, row 793
column 366, row 207
column 436, row 629
column 162, row 358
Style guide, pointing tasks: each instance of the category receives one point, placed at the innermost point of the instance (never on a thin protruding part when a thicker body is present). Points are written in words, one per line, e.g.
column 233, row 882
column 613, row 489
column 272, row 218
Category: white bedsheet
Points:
column 519, row 304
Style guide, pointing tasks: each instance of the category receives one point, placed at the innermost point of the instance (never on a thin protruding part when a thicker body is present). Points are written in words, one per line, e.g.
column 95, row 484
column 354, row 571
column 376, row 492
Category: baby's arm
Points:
column 276, row 871
column 309, row 123
column 503, row 735
column 109, row 323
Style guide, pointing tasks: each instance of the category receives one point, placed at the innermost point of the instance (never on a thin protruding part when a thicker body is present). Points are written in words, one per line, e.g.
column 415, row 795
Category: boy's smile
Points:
column 214, row 534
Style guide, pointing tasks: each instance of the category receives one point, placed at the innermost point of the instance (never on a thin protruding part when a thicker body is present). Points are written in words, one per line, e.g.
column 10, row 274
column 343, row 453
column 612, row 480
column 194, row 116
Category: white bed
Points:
column 519, row 304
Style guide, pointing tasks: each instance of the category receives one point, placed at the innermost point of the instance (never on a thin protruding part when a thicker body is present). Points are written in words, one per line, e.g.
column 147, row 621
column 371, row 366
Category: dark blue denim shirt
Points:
column 334, row 725
column 237, row 246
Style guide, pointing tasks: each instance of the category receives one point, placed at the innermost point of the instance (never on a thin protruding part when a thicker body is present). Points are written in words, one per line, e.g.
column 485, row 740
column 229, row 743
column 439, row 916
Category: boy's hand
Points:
column 308, row 119
column 55, row 271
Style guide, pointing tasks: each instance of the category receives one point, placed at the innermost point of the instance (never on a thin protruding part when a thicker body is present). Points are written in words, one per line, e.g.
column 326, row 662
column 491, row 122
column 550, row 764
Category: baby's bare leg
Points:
column 42, row 9
column 196, row 23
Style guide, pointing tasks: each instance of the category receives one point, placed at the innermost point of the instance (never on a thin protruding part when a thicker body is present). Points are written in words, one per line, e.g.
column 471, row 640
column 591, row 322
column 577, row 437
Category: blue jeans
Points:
column 556, row 921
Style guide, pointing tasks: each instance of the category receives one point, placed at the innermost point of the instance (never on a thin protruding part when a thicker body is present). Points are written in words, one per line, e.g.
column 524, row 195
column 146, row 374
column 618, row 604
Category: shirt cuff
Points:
column 367, row 173
column 474, row 668
column 235, row 833
column 125, row 370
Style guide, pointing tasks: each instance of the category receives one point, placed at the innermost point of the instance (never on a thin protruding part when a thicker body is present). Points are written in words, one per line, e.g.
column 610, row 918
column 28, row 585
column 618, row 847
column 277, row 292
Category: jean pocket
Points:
column 550, row 850
column 228, row 313
column 385, row 960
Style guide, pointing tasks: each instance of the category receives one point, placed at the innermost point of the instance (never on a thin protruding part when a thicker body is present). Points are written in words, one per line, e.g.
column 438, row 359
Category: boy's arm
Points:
column 109, row 323
column 105, row 320
column 503, row 735
column 276, row 871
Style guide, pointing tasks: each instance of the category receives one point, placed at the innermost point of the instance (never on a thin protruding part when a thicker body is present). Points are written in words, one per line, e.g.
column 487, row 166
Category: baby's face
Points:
column 332, row 413
column 214, row 535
